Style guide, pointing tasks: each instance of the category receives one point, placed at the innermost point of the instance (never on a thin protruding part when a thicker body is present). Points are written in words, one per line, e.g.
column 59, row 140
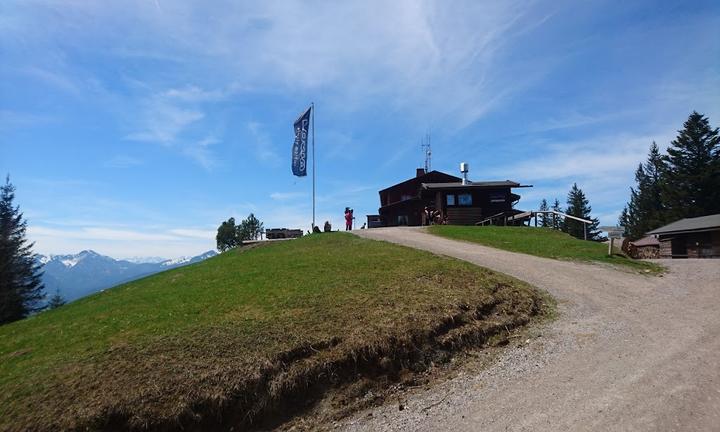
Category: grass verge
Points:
column 244, row 336
column 542, row 242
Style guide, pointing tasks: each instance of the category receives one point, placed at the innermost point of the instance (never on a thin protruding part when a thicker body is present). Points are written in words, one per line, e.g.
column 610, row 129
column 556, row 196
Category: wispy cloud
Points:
column 53, row 79
column 163, row 122
column 262, row 145
column 201, row 153
column 123, row 161
column 285, row 196
column 121, row 242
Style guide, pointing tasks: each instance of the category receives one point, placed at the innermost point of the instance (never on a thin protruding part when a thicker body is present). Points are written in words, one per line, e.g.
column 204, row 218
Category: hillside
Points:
column 249, row 334
column 543, row 242
column 81, row 274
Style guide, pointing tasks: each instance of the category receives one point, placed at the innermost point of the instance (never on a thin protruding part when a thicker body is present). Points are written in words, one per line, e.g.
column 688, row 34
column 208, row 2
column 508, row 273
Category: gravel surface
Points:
column 628, row 352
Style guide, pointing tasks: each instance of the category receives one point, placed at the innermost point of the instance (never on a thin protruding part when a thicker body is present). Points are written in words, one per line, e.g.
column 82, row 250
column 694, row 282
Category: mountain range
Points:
column 75, row 276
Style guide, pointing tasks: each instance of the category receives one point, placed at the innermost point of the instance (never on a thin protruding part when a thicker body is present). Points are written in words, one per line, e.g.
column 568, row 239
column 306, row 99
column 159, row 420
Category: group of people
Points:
column 434, row 217
column 349, row 218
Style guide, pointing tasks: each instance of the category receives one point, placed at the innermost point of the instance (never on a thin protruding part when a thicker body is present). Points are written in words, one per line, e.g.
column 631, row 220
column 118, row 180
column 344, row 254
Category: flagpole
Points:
column 312, row 107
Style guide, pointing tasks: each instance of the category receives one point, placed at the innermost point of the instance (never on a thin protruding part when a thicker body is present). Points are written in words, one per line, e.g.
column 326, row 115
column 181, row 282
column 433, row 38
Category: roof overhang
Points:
column 473, row 185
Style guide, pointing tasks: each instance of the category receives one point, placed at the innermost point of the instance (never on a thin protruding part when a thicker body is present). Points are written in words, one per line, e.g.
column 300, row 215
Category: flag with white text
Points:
column 300, row 146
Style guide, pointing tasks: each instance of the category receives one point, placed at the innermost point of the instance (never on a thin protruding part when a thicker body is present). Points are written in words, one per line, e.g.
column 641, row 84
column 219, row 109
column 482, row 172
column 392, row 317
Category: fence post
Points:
column 585, row 230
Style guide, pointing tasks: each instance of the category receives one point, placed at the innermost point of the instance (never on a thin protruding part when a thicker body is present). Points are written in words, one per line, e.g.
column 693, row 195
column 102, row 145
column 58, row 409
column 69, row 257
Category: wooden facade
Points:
column 690, row 238
column 690, row 245
column 458, row 203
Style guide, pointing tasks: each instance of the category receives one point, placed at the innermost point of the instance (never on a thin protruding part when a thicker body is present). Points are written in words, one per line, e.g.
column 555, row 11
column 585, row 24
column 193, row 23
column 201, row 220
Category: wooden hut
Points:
column 690, row 238
column 458, row 201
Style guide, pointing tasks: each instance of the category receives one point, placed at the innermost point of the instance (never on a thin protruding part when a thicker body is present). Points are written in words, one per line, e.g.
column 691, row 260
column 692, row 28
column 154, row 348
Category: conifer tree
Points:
column 21, row 289
column 56, row 300
column 546, row 221
column 579, row 206
column 556, row 223
column 249, row 229
column 691, row 171
column 645, row 210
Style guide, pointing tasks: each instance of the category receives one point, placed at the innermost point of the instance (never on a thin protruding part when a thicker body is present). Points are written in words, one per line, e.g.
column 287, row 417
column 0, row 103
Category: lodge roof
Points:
column 473, row 185
column 702, row 223
column 432, row 173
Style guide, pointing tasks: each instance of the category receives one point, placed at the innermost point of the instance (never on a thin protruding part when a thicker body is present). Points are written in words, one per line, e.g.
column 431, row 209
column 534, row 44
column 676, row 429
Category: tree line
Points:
column 682, row 183
column 230, row 235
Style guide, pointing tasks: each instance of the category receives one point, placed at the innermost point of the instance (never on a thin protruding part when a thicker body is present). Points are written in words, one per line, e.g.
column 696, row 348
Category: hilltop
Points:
column 251, row 335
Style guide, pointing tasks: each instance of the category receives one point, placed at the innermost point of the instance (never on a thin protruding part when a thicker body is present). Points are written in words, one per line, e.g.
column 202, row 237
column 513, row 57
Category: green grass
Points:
column 176, row 344
column 543, row 242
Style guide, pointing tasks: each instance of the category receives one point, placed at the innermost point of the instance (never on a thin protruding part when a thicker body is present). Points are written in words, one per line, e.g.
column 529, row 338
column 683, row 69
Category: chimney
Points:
column 464, row 170
column 420, row 172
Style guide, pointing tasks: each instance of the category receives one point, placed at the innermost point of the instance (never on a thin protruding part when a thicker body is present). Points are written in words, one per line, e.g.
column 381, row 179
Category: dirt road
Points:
column 628, row 352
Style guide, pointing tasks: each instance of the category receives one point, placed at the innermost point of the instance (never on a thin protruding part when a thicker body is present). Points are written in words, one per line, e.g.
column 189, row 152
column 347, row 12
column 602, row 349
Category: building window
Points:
column 402, row 220
column 497, row 197
column 450, row 200
column 465, row 200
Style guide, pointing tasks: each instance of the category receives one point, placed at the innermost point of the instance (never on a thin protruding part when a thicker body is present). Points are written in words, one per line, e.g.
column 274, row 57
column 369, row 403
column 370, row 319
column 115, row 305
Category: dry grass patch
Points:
column 245, row 336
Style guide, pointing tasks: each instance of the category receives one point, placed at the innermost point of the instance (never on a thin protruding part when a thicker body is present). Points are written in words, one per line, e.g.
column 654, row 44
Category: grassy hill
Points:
column 221, row 342
column 543, row 242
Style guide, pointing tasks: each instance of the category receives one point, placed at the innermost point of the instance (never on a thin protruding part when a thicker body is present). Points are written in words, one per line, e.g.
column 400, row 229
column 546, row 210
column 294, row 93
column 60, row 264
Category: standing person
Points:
column 348, row 218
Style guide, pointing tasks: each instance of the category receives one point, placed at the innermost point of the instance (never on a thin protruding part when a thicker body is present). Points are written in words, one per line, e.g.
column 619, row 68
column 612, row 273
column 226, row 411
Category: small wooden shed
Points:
column 690, row 238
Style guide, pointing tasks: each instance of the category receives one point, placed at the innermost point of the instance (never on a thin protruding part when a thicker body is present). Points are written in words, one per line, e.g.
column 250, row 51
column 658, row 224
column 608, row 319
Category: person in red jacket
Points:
column 348, row 218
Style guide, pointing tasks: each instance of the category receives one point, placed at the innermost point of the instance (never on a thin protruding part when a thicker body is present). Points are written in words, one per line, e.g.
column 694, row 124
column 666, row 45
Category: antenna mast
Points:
column 425, row 145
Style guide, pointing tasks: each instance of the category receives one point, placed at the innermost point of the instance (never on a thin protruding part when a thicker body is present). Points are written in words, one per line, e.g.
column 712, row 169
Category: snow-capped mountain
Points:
column 78, row 275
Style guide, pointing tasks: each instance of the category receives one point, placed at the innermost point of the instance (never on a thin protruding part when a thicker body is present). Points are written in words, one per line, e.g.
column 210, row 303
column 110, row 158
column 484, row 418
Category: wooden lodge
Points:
column 690, row 238
column 457, row 201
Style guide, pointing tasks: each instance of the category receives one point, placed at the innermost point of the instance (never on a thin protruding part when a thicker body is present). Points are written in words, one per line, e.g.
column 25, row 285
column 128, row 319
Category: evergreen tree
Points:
column 546, row 221
column 250, row 228
column 556, row 223
column 56, row 300
column 227, row 237
column 645, row 210
column 579, row 206
column 623, row 219
column 21, row 290
column 691, row 171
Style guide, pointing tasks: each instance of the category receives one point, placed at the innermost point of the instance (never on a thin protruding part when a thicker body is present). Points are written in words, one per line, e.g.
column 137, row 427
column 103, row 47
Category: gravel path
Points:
column 629, row 352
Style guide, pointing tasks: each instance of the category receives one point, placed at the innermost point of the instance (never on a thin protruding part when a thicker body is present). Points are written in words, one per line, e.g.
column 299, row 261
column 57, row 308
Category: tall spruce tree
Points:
column 21, row 288
column 579, row 206
column 546, row 221
column 691, row 171
column 645, row 210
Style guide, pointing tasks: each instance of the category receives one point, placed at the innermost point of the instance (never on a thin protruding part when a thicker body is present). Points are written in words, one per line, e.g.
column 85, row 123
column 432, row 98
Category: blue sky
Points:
column 135, row 127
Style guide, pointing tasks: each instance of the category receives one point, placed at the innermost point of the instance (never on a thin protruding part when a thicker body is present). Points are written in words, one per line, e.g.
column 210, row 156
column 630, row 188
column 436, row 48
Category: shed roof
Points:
column 702, row 223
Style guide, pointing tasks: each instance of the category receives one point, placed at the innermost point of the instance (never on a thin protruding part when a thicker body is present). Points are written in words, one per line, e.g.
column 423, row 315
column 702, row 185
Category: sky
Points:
column 134, row 128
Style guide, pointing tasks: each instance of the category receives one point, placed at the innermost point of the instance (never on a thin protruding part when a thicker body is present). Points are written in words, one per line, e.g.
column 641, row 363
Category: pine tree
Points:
column 645, row 210
column 21, row 289
column 579, row 206
column 556, row 223
column 56, row 301
column 249, row 229
column 546, row 219
column 691, row 171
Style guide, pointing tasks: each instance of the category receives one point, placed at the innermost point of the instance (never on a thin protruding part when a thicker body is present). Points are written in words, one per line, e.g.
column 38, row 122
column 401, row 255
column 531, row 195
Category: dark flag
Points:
column 300, row 146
